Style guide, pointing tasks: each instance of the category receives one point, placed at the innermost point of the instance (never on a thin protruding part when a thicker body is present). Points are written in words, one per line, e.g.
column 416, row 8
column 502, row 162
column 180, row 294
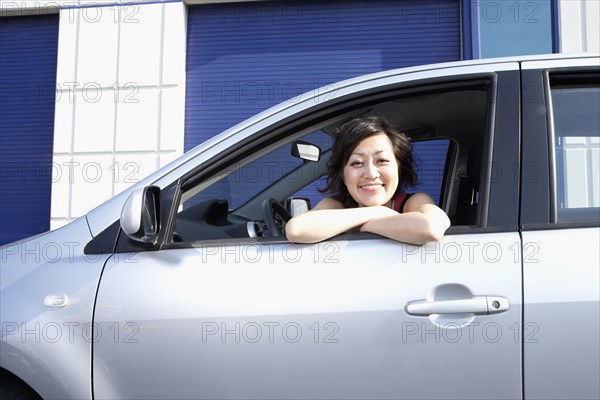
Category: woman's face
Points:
column 371, row 173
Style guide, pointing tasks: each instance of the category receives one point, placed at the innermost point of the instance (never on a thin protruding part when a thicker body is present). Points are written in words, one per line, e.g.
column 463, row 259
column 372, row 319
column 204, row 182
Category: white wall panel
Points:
column 92, row 181
column 98, row 42
column 94, row 109
column 579, row 27
column 63, row 126
column 174, row 25
column 124, row 116
column 140, row 44
column 137, row 121
column 172, row 118
column 67, row 34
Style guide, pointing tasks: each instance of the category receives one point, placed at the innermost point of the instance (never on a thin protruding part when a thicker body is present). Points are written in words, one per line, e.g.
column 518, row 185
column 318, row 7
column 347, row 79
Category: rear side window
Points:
column 576, row 123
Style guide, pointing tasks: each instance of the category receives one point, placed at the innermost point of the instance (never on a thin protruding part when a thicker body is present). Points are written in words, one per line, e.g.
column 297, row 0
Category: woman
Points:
column 371, row 165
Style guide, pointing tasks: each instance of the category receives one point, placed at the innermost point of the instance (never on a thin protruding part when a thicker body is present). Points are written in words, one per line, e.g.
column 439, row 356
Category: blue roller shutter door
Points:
column 28, row 55
column 243, row 58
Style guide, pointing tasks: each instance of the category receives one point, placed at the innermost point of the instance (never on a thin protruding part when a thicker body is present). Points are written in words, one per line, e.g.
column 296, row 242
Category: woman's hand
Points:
column 421, row 222
column 329, row 218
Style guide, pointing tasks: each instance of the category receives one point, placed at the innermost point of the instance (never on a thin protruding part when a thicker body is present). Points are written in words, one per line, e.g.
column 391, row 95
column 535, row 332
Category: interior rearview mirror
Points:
column 140, row 215
column 306, row 151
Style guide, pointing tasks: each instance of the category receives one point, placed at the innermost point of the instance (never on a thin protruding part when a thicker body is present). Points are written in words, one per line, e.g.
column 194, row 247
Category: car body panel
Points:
column 265, row 318
column 579, row 60
column 50, row 347
column 561, row 261
column 562, row 306
column 280, row 320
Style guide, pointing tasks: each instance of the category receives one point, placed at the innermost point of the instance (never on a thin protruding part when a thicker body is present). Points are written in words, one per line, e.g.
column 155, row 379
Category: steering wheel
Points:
column 276, row 216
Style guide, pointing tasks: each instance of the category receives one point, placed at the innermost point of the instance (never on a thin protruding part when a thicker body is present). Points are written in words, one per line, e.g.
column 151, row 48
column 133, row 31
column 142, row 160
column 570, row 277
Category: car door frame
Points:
column 560, row 271
column 499, row 208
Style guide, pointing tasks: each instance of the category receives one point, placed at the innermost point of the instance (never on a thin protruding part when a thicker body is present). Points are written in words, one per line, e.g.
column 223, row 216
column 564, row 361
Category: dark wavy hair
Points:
column 348, row 136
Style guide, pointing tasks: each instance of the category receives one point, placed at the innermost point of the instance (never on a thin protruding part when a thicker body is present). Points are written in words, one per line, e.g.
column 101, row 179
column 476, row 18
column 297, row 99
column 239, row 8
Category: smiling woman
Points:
column 370, row 167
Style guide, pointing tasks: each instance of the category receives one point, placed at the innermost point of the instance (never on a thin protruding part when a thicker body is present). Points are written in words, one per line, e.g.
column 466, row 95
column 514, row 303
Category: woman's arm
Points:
column 330, row 218
column 421, row 222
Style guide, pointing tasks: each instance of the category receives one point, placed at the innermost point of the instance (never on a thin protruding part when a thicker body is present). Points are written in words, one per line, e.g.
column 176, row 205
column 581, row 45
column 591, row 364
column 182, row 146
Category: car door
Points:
column 561, row 219
column 357, row 316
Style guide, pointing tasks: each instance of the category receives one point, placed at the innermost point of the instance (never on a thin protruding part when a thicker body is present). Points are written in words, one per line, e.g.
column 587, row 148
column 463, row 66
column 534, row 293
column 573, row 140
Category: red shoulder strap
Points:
column 399, row 201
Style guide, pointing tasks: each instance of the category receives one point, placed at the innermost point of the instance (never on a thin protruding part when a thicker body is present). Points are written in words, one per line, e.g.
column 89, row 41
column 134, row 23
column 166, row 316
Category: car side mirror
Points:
column 140, row 215
column 297, row 205
column 306, row 151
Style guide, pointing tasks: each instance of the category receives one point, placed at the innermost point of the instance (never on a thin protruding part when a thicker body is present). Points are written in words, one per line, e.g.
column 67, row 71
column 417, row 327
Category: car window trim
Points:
column 306, row 119
column 561, row 78
column 308, row 122
column 535, row 203
column 347, row 236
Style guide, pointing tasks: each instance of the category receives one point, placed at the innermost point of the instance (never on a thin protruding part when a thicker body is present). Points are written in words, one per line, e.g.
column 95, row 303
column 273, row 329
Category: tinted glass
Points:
column 577, row 152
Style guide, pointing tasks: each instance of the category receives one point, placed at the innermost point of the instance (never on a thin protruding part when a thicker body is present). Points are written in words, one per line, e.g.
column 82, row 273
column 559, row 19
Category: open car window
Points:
column 231, row 207
column 447, row 126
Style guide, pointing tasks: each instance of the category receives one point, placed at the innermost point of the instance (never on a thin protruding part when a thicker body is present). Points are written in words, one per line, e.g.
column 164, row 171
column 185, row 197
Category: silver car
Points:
column 185, row 286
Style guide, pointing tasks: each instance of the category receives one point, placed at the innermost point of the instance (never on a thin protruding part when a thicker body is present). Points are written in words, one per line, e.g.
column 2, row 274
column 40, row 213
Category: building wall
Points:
column 579, row 29
column 121, row 91
column 120, row 100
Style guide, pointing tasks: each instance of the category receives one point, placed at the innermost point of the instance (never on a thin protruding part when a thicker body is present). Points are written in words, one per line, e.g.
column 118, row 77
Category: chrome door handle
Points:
column 479, row 305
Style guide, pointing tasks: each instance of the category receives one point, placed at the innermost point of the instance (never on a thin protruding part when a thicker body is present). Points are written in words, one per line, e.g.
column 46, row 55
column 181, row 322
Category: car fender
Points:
column 47, row 289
